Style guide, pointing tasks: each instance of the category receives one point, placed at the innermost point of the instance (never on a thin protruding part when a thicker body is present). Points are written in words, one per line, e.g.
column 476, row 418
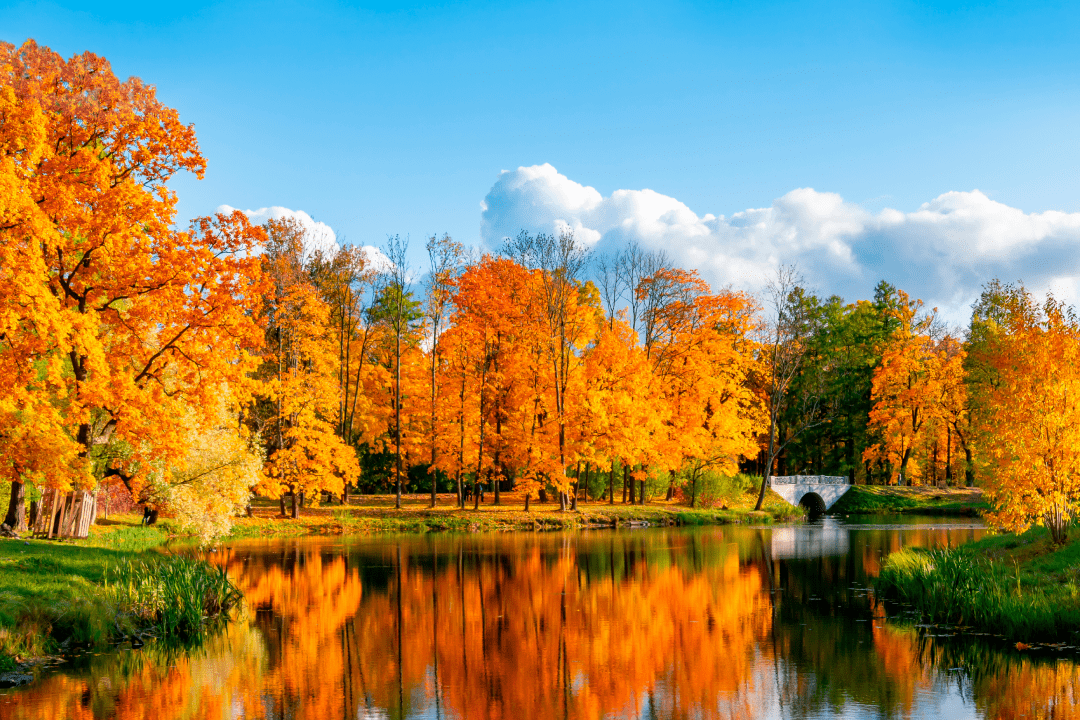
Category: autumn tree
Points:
column 560, row 261
column 445, row 257
column 919, row 395
column 347, row 280
column 140, row 311
column 213, row 482
column 299, row 395
column 396, row 298
column 1030, row 424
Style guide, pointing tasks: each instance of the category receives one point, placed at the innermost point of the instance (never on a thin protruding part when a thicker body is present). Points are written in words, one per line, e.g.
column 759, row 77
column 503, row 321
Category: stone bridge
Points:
column 815, row 492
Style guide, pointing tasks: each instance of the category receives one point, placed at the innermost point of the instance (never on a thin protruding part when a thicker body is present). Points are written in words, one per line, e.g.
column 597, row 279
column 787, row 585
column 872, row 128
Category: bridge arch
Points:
column 814, row 504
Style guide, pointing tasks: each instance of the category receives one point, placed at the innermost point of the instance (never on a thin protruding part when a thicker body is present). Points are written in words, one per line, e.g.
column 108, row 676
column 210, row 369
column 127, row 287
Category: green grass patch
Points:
column 1019, row 587
column 93, row 591
column 872, row 499
column 173, row 594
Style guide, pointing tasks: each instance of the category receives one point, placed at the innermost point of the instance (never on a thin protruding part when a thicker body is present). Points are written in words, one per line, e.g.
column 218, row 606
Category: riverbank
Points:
column 1019, row 587
column 110, row 587
column 53, row 593
column 922, row 500
column 377, row 514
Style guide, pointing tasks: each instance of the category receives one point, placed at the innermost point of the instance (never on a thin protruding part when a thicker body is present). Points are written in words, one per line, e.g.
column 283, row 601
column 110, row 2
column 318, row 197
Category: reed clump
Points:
column 177, row 596
column 963, row 588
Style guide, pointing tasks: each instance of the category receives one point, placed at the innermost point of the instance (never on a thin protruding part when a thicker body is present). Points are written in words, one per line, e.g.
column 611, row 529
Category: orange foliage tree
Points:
column 300, row 389
column 919, row 396
column 142, row 316
column 1031, row 423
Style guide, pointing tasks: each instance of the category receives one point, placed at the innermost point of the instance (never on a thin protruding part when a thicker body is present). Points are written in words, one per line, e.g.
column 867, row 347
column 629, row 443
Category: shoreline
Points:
column 415, row 516
column 1016, row 586
column 52, row 595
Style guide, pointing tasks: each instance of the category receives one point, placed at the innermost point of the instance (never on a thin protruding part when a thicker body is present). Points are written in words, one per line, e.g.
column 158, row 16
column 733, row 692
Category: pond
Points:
column 733, row 622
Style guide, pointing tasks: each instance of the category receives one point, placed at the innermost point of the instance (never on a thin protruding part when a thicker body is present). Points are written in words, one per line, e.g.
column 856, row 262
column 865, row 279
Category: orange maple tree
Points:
column 142, row 316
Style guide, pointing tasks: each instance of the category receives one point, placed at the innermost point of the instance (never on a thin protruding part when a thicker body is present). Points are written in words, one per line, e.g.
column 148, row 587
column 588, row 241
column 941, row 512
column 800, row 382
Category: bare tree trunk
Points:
column 611, row 485
column 434, row 434
column 629, row 482
column 397, row 403
column 16, row 513
column 577, row 484
column 295, row 505
column 948, row 456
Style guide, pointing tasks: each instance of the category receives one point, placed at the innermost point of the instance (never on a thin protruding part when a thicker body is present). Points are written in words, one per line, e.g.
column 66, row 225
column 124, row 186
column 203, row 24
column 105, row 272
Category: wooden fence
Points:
column 65, row 515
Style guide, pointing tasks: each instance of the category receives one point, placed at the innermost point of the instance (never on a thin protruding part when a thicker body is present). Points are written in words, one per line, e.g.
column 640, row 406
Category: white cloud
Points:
column 318, row 235
column 942, row 252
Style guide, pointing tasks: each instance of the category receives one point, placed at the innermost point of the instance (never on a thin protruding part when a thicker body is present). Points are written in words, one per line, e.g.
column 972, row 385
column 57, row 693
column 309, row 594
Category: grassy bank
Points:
column 377, row 514
column 101, row 590
column 1019, row 587
column 887, row 500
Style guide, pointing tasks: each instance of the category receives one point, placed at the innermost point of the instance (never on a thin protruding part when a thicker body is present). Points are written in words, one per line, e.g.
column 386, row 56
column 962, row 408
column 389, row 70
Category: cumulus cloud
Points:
column 317, row 236
column 942, row 252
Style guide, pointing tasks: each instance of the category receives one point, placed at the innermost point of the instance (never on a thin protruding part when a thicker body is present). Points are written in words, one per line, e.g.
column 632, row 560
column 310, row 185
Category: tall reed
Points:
column 177, row 595
column 961, row 588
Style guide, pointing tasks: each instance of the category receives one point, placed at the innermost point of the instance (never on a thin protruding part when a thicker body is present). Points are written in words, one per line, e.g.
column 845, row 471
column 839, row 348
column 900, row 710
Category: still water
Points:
column 731, row 622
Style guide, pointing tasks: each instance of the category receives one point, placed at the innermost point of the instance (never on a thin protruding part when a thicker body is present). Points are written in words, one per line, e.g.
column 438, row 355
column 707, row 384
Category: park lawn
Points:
column 919, row 500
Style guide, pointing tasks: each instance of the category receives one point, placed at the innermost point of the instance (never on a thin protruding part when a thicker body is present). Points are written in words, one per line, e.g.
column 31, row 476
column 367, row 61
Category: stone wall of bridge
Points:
column 794, row 488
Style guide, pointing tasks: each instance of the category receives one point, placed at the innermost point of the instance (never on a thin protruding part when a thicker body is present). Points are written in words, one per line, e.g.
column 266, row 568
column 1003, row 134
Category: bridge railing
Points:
column 808, row 480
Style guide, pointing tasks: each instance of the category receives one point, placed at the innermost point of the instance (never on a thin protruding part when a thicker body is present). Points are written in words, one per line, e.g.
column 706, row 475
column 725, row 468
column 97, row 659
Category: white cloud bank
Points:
column 943, row 252
column 317, row 235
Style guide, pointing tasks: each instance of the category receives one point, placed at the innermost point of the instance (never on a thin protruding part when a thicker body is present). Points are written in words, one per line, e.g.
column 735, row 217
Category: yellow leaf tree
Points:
column 1031, row 429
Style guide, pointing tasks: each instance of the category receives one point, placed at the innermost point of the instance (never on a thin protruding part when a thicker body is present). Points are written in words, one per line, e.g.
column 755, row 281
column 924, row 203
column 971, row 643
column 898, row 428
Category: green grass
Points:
column 1019, row 587
column 873, row 499
column 54, row 592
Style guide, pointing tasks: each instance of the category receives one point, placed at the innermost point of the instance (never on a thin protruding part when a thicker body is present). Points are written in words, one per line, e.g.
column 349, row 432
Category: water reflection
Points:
column 719, row 622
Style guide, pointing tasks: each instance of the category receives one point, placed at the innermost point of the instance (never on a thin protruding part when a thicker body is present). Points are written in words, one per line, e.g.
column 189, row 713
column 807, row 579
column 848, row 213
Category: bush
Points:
column 717, row 490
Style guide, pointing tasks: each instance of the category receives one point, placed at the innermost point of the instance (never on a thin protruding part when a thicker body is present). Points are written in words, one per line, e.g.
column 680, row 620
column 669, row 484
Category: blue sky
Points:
column 398, row 118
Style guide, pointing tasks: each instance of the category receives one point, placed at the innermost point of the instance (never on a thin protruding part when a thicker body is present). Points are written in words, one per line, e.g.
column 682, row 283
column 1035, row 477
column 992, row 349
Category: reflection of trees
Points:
column 659, row 624
column 1004, row 684
column 221, row 679
column 547, row 630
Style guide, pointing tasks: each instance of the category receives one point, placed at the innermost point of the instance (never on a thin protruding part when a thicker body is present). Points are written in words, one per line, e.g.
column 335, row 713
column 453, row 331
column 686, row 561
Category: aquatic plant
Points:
column 962, row 588
column 176, row 594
